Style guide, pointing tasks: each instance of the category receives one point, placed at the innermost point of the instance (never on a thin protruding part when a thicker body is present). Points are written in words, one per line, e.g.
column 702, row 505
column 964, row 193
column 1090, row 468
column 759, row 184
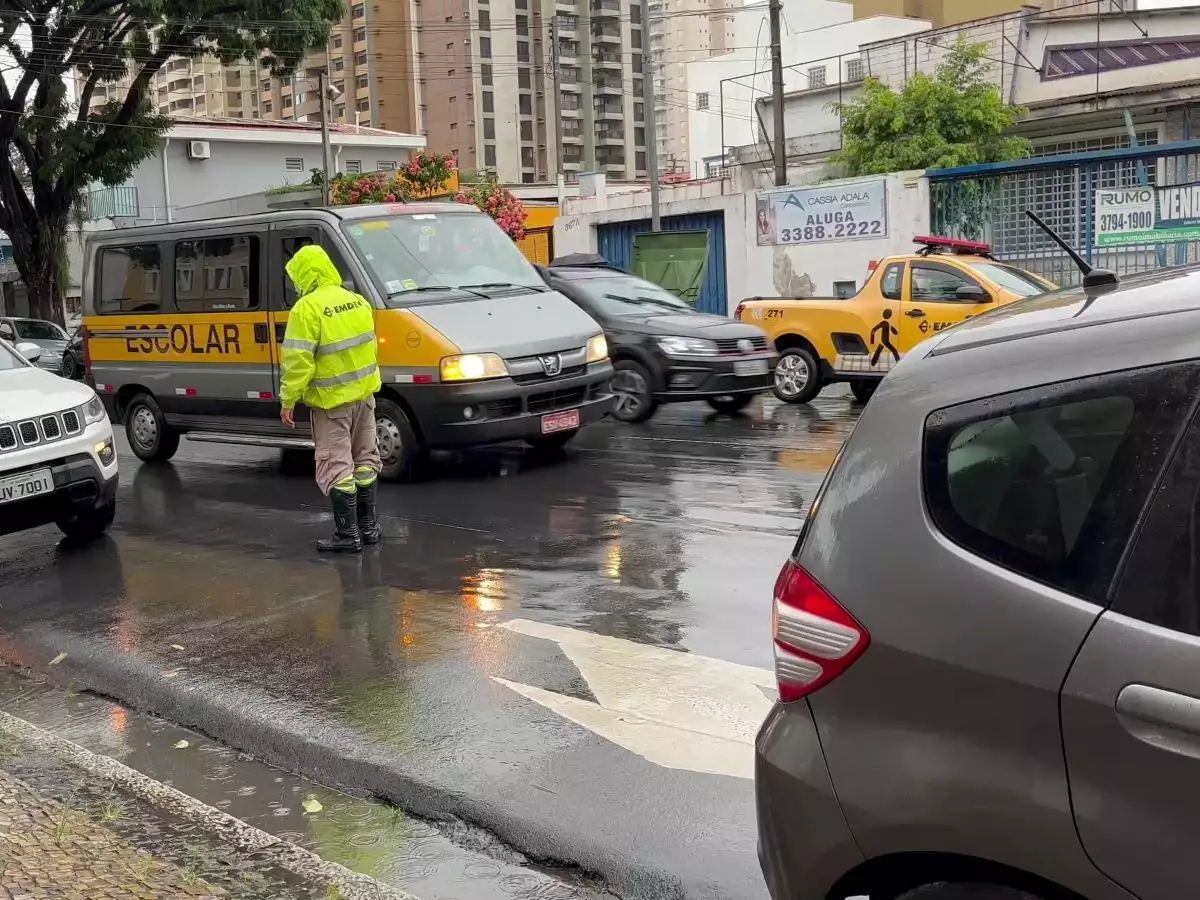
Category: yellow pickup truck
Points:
column 825, row 340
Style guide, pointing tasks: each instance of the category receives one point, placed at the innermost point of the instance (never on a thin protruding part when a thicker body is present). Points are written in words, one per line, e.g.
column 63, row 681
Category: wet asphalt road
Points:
column 488, row 665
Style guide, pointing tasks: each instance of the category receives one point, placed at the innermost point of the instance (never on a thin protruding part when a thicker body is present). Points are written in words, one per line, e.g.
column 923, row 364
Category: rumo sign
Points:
column 1146, row 215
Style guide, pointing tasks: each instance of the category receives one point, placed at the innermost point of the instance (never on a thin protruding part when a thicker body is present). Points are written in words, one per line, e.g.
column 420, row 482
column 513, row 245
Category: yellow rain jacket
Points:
column 329, row 356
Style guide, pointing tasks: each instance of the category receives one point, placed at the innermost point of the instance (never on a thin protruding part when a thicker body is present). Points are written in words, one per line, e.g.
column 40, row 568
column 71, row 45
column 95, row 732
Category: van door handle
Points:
column 261, row 335
column 1163, row 719
column 280, row 331
column 916, row 313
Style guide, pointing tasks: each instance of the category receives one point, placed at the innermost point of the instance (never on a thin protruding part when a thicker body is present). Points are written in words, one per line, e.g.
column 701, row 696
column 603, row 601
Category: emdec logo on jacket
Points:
column 331, row 311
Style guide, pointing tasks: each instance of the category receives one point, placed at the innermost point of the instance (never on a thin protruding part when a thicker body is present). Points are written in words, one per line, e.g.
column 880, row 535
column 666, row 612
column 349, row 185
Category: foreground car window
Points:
column 1049, row 482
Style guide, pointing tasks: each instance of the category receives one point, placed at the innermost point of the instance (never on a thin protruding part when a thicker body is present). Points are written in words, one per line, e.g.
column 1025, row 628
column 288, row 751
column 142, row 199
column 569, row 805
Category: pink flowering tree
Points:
column 425, row 175
column 499, row 203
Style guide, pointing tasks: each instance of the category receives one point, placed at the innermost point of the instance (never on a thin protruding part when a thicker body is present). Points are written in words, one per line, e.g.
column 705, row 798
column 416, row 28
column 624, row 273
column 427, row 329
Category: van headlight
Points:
column 472, row 367
column 685, row 346
column 93, row 411
column 597, row 349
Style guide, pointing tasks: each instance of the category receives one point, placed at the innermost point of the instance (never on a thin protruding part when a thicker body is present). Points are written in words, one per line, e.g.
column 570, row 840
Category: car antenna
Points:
column 1092, row 278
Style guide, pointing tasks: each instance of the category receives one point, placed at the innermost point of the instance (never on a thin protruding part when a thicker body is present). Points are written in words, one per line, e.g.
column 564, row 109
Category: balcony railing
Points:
column 111, row 202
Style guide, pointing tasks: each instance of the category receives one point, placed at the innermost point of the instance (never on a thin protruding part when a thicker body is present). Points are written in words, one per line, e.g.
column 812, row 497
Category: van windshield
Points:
column 434, row 258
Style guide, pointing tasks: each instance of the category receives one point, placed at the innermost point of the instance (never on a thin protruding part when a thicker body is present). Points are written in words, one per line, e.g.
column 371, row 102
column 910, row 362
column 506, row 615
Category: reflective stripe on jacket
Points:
column 329, row 356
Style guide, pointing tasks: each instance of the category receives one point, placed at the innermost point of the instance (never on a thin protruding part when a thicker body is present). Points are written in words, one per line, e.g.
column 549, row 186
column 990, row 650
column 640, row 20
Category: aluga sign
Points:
column 820, row 214
column 1146, row 215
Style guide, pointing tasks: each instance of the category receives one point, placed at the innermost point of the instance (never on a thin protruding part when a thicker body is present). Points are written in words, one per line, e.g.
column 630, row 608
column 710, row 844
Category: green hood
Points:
column 310, row 268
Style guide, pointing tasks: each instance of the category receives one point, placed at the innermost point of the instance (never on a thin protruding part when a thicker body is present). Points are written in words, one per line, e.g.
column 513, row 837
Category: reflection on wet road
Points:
column 390, row 674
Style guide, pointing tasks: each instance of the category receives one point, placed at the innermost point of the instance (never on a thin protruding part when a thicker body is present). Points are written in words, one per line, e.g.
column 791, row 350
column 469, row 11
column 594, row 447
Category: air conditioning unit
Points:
column 199, row 150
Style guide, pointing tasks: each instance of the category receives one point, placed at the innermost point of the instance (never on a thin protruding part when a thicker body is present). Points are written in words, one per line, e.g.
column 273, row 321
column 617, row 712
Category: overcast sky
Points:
column 1158, row 4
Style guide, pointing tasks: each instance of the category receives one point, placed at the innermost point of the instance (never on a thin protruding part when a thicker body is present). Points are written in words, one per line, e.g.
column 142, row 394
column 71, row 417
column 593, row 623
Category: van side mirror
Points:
column 974, row 293
column 30, row 351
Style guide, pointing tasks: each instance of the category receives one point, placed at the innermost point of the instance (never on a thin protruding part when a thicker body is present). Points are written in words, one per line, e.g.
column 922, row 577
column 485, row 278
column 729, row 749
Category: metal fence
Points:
column 988, row 203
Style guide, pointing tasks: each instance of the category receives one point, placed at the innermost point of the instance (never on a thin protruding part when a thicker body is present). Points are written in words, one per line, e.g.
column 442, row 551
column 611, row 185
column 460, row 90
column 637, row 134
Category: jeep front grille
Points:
column 42, row 430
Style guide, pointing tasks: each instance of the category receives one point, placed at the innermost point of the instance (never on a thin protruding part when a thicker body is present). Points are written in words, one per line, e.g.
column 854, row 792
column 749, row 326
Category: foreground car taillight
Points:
column 816, row 640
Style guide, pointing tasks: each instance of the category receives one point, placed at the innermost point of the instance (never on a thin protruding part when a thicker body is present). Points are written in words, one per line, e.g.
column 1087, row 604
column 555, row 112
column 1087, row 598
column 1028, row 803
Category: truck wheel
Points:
column 863, row 388
column 400, row 448
column 634, row 397
column 797, row 378
column 88, row 526
column 151, row 438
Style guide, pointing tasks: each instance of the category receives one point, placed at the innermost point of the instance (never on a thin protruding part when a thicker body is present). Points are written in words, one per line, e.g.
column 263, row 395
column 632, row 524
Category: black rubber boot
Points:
column 368, row 519
column 346, row 538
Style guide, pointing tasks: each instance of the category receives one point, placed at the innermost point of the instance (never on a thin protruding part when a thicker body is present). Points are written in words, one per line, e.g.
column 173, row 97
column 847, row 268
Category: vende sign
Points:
column 1146, row 215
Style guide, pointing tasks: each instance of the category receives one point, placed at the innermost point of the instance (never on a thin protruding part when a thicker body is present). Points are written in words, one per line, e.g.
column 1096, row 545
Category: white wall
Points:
column 236, row 169
column 753, row 271
column 811, row 269
column 831, row 38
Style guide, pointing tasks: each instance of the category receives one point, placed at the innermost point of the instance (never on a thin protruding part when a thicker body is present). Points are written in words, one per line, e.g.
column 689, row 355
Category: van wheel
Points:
column 87, row 526
column 966, row 891
column 863, row 388
column 151, row 438
column 401, row 451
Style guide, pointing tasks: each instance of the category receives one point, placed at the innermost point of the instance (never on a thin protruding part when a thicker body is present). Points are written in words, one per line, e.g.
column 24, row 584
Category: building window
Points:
column 453, row 100
column 359, row 10
column 337, row 42
column 522, row 51
column 523, row 78
column 816, row 77
column 527, row 157
column 360, row 58
column 385, row 165
column 702, row 100
column 294, row 164
column 268, row 106
column 485, row 74
column 635, row 14
column 339, row 64
column 353, row 166
column 485, row 20
column 287, row 102
column 489, row 154
column 485, row 47
column 855, row 70
column 363, row 105
column 489, row 129
column 454, row 126
column 362, row 81
column 527, row 131
column 339, row 111
column 525, row 104
column 527, row 177
column 266, row 84
column 522, row 25
column 489, row 102
column 844, row 290
column 360, row 34
column 640, row 158
column 639, row 137
column 639, row 112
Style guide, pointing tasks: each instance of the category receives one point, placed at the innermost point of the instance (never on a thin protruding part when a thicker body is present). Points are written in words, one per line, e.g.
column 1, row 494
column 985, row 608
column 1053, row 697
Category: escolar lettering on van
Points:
column 224, row 338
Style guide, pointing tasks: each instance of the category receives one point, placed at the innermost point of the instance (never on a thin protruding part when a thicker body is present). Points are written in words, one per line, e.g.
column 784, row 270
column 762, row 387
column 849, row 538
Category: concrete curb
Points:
column 303, row 863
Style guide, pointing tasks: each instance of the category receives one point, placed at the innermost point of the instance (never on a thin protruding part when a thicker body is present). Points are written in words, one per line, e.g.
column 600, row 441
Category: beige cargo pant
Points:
column 347, row 449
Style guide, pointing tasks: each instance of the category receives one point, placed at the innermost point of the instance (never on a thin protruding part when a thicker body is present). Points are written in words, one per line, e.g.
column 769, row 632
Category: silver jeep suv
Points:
column 987, row 640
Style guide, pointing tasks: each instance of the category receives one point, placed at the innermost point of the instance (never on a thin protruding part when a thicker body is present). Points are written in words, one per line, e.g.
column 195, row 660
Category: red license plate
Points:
column 563, row 421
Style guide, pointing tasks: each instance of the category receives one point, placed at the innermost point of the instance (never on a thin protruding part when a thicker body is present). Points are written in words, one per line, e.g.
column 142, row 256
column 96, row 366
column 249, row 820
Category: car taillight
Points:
column 737, row 313
column 816, row 640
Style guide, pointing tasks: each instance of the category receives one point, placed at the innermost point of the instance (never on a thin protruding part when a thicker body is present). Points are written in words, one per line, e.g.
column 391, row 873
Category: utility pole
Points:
column 557, row 76
column 775, row 7
column 327, row 191
column 651, row 117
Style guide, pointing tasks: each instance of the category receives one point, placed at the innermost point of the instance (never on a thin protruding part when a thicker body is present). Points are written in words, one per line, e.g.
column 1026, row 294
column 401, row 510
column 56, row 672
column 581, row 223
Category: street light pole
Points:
column 651, row 116
column 327, row 192
column 775, row 7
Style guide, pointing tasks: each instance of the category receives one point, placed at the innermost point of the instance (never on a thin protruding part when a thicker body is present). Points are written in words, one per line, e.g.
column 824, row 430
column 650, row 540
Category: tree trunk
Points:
column 41, row 269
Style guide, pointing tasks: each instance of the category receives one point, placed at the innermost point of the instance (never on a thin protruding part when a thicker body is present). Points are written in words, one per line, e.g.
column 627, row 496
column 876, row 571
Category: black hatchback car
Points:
column 663, row 351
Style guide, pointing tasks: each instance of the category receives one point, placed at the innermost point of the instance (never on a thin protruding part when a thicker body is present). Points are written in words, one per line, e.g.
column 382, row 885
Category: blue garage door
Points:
column 615, row 243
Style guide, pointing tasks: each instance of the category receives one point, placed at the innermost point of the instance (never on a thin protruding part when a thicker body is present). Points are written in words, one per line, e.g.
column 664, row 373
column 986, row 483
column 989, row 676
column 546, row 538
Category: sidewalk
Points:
column 48, row 850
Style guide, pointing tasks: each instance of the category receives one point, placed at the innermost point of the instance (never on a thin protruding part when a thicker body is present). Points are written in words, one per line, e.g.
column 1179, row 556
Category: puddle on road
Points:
column 447, row 862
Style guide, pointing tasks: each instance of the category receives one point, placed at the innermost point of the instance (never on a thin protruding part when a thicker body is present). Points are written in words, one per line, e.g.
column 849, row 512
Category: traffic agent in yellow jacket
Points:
column 329, row 364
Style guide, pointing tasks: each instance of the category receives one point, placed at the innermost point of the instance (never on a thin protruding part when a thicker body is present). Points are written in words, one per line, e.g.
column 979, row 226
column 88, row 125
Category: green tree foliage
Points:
column 55, row 147
column 954, row 118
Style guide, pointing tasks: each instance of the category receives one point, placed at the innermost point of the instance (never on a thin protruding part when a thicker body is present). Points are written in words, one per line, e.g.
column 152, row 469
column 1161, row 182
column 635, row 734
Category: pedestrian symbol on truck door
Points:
column 886, row 329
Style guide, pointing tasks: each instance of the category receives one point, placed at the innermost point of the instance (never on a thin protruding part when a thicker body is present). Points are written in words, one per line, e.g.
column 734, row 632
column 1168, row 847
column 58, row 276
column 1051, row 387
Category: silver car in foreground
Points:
column 987, row 640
